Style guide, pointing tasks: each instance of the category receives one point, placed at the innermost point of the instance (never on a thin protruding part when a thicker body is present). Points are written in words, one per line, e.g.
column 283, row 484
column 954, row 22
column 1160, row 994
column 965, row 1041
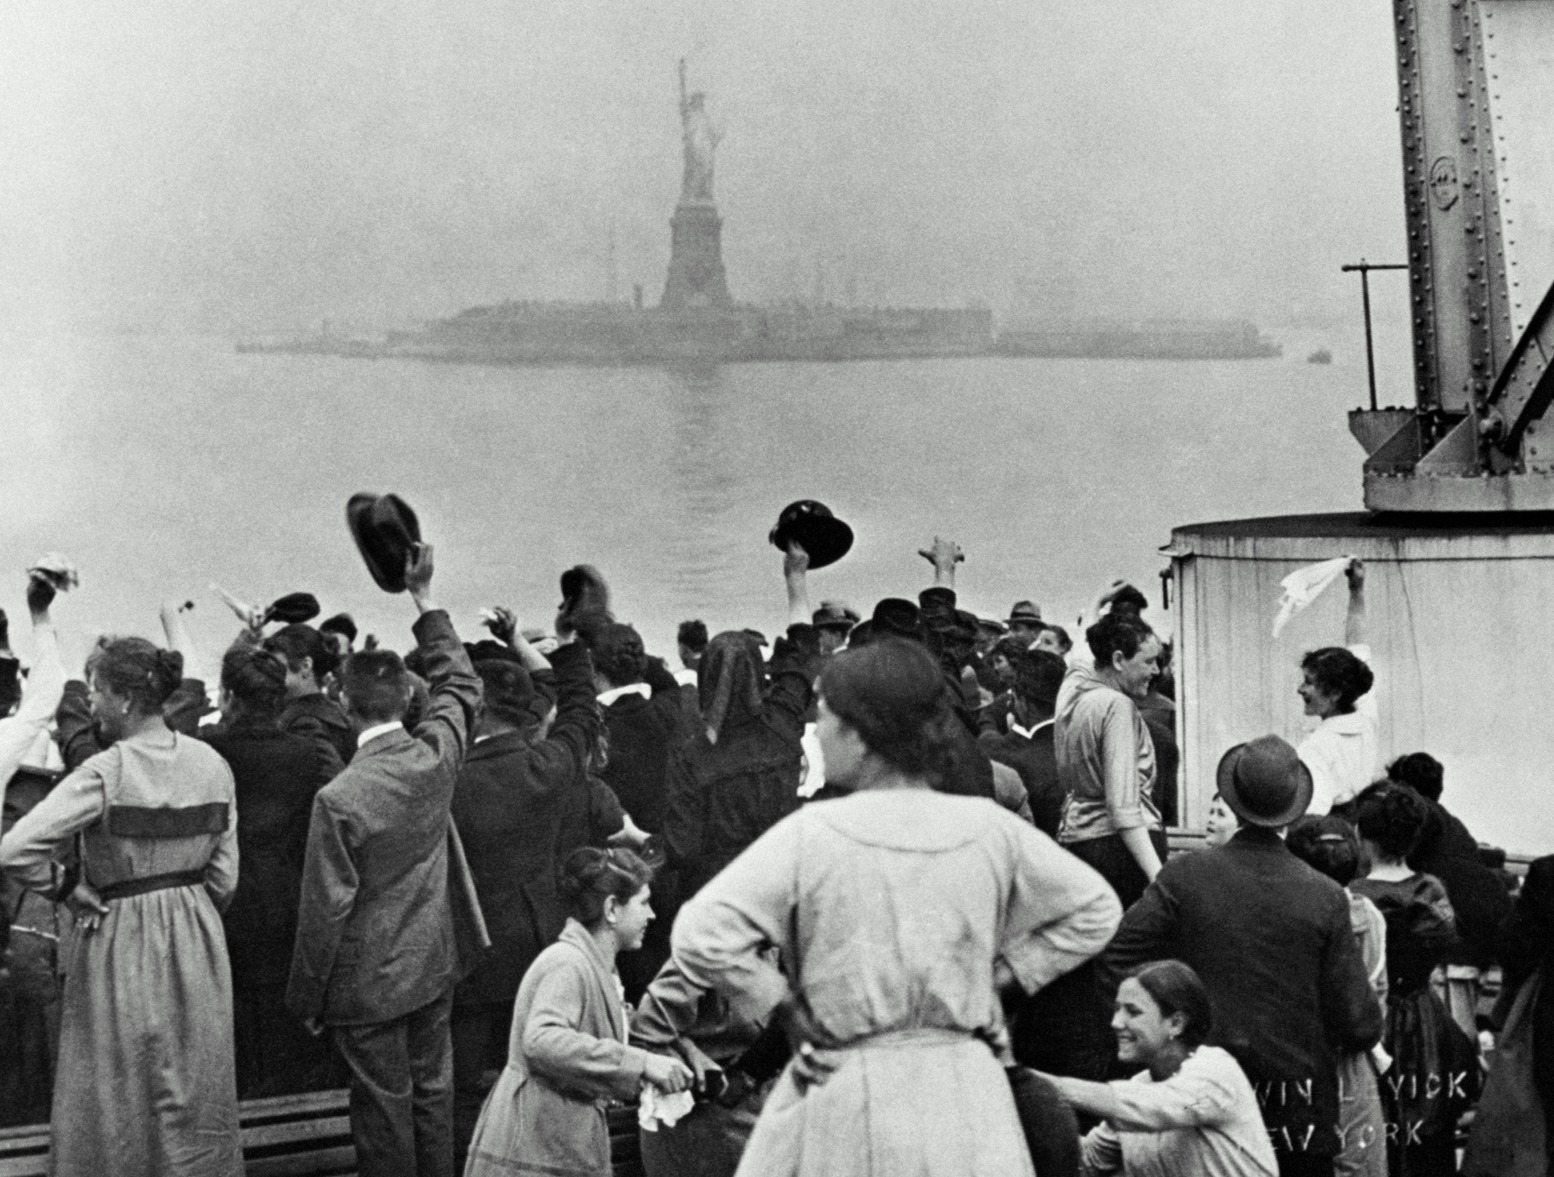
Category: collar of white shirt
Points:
column 636, row 688
column 382, row 729
column 1028, row 733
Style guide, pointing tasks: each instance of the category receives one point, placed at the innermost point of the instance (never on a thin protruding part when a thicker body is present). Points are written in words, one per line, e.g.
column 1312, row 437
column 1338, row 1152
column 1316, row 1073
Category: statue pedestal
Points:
column 696, row 277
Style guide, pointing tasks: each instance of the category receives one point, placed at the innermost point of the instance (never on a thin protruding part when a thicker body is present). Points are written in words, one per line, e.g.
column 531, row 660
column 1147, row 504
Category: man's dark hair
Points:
column 1129, row 600
column 1037, row 676
column 693, row 636
column 1339, row 672
column 1065, row 642
column 1114, row 633
column 376, row 684
column 509, row 693
column 618, row 653
column 1421, row 772
column 296, row 642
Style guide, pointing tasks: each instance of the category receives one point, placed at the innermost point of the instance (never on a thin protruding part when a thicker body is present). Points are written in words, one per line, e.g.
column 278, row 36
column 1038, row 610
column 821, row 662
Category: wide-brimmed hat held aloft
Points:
column 585, row 600
column 1264, row 782
column 812, row 526
column 293, row 609
column 385, row 530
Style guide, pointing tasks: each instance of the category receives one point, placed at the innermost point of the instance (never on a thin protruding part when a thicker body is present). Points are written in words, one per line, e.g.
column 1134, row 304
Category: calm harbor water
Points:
column 163, row 463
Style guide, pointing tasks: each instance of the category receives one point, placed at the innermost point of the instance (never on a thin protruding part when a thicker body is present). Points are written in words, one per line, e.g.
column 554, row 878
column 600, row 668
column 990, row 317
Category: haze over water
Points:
column 162, row 463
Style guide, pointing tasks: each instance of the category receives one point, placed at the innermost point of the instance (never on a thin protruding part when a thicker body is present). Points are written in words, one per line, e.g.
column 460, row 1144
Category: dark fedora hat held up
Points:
column 385, row 530
column 812, row 526
column 1264, row 782
column 293, row 609
column 585, row 600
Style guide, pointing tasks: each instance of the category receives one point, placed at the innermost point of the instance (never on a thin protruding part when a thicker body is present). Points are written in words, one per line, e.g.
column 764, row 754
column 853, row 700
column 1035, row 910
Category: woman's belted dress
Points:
column 145, row 1084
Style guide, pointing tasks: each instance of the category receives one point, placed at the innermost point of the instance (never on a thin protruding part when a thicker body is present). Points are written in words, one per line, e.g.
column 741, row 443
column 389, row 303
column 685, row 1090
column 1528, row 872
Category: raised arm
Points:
column 1354, row 619
column 454, row 685
column 45, row 685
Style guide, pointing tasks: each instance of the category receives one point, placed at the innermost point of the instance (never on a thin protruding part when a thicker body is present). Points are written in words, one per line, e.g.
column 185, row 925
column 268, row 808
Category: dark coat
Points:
column 1272, row 941
column 1036, row 760
column 376, row 937
column 1449, row 852
column 642, row 734
column 277, row 776
column 510, row 804
column 319, row 718
column 724, row 796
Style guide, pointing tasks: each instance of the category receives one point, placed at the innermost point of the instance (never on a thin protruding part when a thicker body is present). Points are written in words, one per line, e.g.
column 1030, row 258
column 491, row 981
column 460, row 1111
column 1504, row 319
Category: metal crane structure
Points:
column 1476, row 111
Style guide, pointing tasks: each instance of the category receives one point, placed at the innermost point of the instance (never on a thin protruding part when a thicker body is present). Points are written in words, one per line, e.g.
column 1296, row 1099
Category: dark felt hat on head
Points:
column 1264, row 782
column 585, row 600
column 293, row 609
column 812, row 526
column 341, row 623
column 385, row 530
column 898, row 617
column 1026, row 611
column 834, row 615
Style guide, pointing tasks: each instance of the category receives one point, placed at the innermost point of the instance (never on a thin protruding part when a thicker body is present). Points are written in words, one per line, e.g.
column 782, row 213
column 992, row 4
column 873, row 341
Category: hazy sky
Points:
column 209, row 162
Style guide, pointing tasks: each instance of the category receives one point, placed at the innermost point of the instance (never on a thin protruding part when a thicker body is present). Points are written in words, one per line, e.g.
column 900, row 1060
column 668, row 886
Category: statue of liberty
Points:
column 701, row 143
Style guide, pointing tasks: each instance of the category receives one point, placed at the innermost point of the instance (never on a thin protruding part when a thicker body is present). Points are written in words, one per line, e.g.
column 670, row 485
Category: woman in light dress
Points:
column 897, row 912
column 1191, row 1111
column 568, row 1056
column 146, row 1085
column 1342, row 752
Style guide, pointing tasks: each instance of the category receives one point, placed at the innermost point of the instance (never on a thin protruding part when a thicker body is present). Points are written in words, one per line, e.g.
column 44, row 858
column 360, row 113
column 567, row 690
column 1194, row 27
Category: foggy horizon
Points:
column 215, row 168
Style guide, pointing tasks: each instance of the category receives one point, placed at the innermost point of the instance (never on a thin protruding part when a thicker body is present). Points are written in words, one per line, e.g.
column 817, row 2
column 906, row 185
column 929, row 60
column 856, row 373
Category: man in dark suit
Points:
column 1271, row 939
column 277, row 776
column 1026, row 746
column 527, row 763
column 376, row 957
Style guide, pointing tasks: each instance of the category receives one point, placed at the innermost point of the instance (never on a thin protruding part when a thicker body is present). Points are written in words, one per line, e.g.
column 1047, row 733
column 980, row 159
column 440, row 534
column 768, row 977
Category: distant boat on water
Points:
column 1320, row 356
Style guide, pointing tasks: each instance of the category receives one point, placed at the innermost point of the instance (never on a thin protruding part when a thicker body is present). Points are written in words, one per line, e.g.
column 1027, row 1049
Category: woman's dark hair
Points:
column 1421, row 772
column 892, row 693
column 256, row 678
column 1176, row 989
column 1116, row 633
column 1128, row 599
column 134, row 669
column 589, row 876
column 296, row 642
column 617, row 653
column 1340, row 673
column 1065, row 642
column 1392, row 816
column 1329, row 845
column 1011, row 648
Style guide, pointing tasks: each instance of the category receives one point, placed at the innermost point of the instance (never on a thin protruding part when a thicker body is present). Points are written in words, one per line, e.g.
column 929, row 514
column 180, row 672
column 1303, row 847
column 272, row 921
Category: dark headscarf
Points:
column 729, row 680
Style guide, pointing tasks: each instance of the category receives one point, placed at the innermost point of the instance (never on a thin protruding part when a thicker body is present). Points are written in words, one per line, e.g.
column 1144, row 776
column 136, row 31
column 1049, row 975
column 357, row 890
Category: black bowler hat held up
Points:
column 812, row 526
column 293, row 609
column 585, row 600
column 385, row 530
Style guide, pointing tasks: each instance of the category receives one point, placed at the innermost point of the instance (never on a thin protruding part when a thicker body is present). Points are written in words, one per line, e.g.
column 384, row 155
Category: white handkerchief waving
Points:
column 1305, row 585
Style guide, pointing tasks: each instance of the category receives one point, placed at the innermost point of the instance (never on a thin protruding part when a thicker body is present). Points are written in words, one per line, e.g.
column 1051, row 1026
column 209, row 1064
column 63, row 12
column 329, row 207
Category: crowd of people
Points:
column 888, row 894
